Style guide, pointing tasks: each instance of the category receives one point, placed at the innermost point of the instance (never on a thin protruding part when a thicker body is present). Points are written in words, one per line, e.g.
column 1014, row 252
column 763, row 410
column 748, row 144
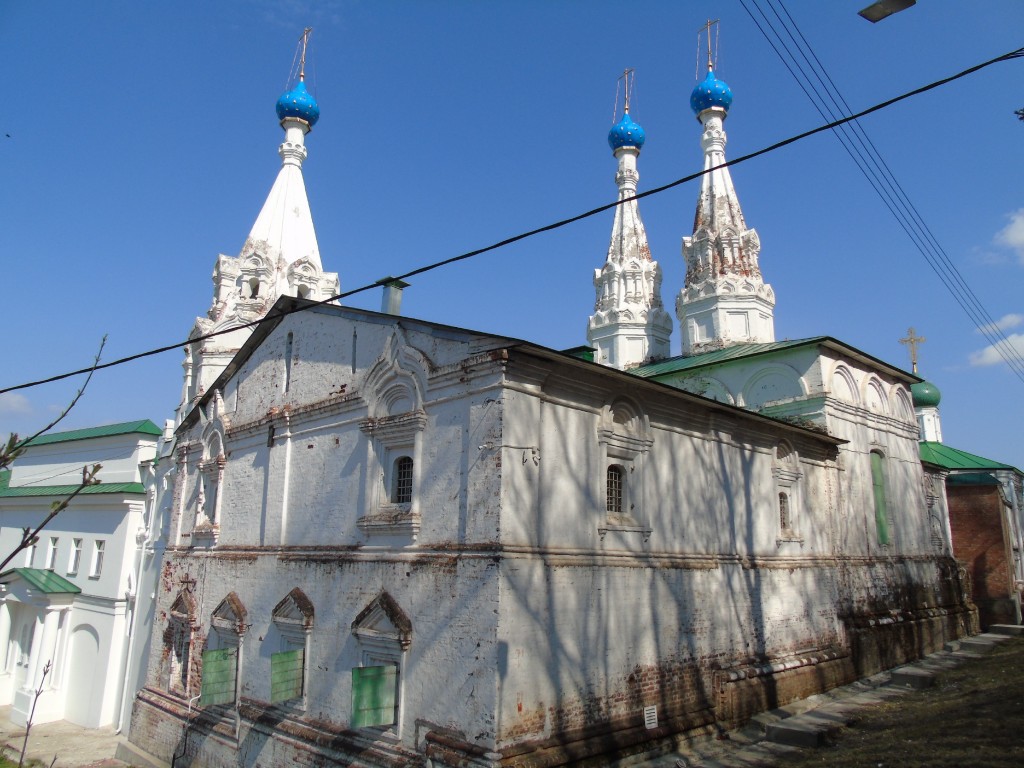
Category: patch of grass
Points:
column 972, row 716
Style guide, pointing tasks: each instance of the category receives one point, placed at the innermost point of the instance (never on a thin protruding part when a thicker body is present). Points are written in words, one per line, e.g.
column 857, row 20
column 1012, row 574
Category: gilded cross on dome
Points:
column 912, row 341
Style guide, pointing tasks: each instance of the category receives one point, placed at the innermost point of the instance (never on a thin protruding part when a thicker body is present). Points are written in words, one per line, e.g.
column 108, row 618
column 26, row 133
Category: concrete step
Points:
column 913, row 677
column 802, row 731
column 976, row 645
column 1008, row 630
column 136, row 757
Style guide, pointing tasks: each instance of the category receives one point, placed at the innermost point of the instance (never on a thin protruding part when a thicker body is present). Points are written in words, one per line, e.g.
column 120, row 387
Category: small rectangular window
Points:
column 614, row 493
column 30, row 555
column 76, row 557
column 402, row 485
column 51, row 553
column 97, row 559
column 374, row 696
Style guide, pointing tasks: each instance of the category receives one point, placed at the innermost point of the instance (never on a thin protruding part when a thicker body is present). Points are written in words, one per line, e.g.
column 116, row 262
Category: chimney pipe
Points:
column 392, row 300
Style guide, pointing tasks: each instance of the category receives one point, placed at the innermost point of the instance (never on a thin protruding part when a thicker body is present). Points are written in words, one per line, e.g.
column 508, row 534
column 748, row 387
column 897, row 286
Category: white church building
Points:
column 69, row 600
column 392, row 542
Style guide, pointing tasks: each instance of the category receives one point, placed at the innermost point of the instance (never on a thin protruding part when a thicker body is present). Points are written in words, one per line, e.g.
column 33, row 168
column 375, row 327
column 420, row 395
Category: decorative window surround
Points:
column 788, row 487
column 289, row 666
column 393, row 437
column 178, row 643
column 624, row 446
column 222, row 662
column 384, row 634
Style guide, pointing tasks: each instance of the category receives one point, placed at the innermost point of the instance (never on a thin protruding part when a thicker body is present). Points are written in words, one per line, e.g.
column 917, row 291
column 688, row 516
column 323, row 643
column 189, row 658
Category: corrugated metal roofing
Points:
column 63, row 490
column 45, row 581
column 952, row 458
column 144, row 427
column 734, row 352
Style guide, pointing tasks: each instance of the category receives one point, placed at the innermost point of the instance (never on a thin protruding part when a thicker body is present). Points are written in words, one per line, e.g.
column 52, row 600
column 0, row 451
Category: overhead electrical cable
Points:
column 873, row 166
column 1015, row 54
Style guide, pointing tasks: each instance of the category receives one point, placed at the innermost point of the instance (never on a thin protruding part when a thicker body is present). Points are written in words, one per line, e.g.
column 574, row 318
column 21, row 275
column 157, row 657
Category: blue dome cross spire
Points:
column 711, row 92
column 298, row 102
column 626, row 132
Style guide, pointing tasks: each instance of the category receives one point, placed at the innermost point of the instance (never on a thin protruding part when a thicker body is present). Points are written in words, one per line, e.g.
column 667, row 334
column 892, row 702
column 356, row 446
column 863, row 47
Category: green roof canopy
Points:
column 63, row 490
column 143, row 427
column 43, row 580
column 952, row 458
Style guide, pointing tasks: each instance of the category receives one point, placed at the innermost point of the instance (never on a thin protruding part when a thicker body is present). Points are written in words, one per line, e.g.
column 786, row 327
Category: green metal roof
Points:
column 952, row 458
column 45, row 581
column 734, row 352
column 144, row 427
column 63, row 490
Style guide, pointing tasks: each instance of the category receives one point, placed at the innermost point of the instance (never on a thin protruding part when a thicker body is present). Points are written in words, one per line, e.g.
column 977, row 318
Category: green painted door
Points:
column 286, row 675
column 374, row 695
column 220, row 668
column 881, row 508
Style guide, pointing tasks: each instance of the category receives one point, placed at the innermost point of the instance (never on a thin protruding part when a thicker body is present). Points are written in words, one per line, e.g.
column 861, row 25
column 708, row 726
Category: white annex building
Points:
column 391, row 542
column 69, row 601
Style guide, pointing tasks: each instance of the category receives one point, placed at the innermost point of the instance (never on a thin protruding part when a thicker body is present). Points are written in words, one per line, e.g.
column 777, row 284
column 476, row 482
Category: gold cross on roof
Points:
column 912, row 342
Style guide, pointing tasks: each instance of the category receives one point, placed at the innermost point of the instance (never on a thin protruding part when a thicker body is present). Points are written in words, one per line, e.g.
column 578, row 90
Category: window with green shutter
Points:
column 220, row 668
column 286, row 670
column 374, row 696
column 881, row 508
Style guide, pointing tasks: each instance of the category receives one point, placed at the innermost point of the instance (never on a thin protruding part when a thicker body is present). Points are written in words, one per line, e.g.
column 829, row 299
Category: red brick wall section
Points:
column 983, row 545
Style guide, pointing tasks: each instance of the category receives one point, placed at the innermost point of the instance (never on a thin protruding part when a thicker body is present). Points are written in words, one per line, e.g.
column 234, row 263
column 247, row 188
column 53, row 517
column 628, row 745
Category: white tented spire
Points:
column 280, row 257
column 629, row 325
column 724, row 300
column 284, row 229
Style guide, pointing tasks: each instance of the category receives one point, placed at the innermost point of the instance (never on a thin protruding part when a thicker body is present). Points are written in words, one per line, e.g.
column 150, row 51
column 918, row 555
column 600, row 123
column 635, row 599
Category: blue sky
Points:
column 138, row 141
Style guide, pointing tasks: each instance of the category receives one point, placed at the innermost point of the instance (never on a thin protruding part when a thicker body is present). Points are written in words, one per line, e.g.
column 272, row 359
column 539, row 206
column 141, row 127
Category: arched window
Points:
column 401, row 481
column 178, row 643
column 293, row 622
column 788, row 486
column 881, row 508
column 616, row 482
column 784, row 520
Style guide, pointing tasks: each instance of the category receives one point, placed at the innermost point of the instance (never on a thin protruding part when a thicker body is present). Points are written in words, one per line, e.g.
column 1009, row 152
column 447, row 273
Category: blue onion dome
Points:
column 298, row 103
column 710, row 93
column 626, row 133
column 925, row 394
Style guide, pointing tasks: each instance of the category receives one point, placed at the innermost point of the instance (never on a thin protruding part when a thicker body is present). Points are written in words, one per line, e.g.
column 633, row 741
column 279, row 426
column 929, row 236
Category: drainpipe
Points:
column 184, row 734
column 145, row 555
column 287, row 476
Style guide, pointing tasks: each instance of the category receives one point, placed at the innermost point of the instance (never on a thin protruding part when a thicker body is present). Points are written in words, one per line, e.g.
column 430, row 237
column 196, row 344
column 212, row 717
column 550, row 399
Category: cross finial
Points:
column 627, row 81
column 912, row 341
column 706, row 30
column 305, row 42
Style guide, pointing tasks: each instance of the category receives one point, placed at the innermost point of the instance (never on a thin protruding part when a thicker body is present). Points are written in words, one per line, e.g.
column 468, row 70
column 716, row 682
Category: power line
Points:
column 531, row 233
column 872, row 165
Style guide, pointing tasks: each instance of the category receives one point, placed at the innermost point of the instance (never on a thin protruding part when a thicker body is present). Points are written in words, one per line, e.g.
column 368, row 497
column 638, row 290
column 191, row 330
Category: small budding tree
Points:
column 15, row 447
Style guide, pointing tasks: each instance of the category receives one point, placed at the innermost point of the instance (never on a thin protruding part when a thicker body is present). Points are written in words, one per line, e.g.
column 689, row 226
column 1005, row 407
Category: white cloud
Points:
column 1004, row 323
column 990, row 356
column 12, row 402
column 1012, row 235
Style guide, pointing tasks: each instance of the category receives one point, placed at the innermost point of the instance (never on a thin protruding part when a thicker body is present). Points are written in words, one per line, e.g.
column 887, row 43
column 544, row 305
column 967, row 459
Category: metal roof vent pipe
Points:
column 391, row 303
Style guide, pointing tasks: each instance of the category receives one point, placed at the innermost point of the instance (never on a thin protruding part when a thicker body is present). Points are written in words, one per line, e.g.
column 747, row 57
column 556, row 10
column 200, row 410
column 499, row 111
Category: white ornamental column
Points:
column 5, row 634
column 47, row 648
column 34, row 653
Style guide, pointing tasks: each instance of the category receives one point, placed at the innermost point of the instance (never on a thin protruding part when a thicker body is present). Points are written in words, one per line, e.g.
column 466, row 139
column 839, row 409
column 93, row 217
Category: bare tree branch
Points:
column 30, row 536
column 14, row 446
